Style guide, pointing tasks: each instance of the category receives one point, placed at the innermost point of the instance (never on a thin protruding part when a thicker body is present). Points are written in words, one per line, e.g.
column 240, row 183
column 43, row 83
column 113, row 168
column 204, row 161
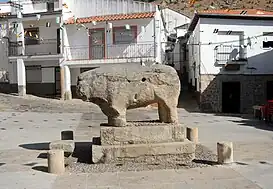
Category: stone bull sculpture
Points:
column 116, row 88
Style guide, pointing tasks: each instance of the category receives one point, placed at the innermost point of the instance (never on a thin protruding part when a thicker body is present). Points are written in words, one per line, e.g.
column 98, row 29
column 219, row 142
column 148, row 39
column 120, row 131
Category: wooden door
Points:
column 97, row 44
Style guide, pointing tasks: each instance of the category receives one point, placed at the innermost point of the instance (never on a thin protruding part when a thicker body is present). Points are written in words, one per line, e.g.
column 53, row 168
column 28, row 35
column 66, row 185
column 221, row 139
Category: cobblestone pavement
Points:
column 28, row 124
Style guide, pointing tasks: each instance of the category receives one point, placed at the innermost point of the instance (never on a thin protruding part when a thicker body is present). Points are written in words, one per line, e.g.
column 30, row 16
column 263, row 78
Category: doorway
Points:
column 231, row 95
column 57, row 81
column 97, row 44
column 269, row 90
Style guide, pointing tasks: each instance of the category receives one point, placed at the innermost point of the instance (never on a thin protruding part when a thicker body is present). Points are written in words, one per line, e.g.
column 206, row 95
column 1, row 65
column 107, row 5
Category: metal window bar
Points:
column 230, row 53
column 44, row 47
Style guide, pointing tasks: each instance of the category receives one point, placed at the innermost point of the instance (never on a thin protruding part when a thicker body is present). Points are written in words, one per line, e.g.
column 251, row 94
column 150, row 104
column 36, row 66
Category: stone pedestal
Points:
column 56, row 161
column 225, row 152
column 192, row 134
column 143, row 142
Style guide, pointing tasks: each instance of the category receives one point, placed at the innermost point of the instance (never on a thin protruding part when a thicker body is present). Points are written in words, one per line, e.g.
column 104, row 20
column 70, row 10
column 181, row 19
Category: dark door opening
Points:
column 231, row 93
column 269, row 90
column 58, row 41
column 57, row 81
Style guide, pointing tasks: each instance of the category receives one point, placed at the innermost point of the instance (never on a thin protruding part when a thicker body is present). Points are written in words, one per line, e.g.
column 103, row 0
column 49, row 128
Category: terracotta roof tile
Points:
column 111, row 17
column 241, row 12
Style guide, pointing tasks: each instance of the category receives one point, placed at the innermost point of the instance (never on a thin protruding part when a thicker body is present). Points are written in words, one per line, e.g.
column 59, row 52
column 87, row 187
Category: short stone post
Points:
column 67, row 135
column 55, row 160
column 225, row 152
column 192, row 134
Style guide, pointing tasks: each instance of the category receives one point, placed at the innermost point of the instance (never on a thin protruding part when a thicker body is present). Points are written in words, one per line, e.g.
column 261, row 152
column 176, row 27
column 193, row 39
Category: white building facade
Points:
column 231, row 59
column 49, row 43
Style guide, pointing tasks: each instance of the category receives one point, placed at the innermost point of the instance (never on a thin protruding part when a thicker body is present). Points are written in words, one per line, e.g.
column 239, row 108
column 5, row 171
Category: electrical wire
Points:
column 220, row 43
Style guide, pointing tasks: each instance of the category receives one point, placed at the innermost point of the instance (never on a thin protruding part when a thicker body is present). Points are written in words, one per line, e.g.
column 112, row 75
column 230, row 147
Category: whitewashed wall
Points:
column 4, row 63
column 40, row 6
column 261, row 59
column 79, row 38
column 194, row 56
column 5, row 7
column 47, row 36
column 174, row 19
column 86, row 8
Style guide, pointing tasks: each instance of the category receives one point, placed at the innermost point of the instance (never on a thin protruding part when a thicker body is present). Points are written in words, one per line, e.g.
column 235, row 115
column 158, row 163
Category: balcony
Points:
column 230, row 54
column 36, row 6
column 123, row 52
column 42, row 47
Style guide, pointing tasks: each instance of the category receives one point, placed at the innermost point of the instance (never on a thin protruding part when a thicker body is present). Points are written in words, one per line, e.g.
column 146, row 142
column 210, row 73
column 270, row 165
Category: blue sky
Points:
column 3, row 0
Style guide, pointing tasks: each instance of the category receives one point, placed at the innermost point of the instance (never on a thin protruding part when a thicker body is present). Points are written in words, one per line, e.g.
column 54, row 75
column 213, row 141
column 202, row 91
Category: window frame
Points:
column 133, row 30
column 265, row 34
column 29, row 41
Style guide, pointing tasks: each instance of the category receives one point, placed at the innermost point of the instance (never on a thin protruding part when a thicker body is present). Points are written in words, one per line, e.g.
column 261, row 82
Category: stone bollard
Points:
column 192, row 134
column 55, row 160
column 225, row 152
column 67, row 135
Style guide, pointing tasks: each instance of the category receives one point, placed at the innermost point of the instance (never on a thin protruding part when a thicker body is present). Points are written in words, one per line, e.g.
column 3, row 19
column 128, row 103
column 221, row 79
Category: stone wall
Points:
column 253, row 91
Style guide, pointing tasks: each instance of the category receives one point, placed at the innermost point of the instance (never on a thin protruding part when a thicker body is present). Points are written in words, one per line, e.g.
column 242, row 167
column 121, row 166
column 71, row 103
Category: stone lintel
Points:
column 144, row 153
column 142, row 134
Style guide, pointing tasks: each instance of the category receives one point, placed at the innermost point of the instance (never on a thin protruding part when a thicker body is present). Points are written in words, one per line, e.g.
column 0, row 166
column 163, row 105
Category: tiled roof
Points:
column 112, row 17
column 239, row 12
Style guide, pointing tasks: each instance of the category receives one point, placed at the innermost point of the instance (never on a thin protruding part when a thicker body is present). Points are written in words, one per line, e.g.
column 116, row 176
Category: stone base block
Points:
column 67, row 95
column 144, row 153
column 142, row 133
column 67, row 146
column 21, row 90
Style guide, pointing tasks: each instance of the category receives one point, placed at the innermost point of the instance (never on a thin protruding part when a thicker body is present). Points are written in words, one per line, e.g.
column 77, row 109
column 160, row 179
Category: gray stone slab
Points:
column 142, row 134
column 149, row 153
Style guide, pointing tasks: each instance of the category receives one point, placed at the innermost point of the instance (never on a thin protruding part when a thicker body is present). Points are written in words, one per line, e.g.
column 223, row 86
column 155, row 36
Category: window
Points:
column 125, row 36
column 268, row 40
column 32, row 36
column 50, row 6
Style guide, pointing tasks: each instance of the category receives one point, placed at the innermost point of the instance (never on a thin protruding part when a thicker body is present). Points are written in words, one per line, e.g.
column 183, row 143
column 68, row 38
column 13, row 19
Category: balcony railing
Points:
column 43, row 47
column 230, row 53
column 116, row 51
column 35, row 6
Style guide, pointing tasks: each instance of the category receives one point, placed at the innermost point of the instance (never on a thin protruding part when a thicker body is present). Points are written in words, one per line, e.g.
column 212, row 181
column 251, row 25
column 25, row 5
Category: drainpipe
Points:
column 155, row 46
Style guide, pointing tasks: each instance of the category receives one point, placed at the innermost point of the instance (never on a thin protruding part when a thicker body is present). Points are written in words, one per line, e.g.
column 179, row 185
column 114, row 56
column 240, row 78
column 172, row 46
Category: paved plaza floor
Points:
column 24, row 138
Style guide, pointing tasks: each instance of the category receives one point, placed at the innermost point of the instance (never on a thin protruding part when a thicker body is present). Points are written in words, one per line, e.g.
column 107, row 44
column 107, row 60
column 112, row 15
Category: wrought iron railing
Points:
column 230, row 53
column 115, row 51
column 43, row 47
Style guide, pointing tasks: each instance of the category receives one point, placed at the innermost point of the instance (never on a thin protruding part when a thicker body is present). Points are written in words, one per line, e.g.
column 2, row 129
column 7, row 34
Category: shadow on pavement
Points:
column 187, row 100
column 36, row 146
column 42, row 155
column 83, row 152
column 254, row 123
column 2, row 164
column 30, row 164
column 206, row 162
column 41, row 168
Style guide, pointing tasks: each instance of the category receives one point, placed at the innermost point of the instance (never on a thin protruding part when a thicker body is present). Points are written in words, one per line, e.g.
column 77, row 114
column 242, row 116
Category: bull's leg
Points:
column 118, row 119
column 168, row 111
column 162, row 112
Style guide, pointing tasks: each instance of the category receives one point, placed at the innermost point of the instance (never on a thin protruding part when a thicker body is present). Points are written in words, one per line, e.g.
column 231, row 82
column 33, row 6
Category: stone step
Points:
column 142, row 133
column 144, row 153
